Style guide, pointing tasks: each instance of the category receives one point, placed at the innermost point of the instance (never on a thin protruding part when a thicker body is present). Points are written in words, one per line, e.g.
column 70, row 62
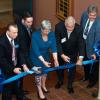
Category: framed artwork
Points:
column 64, row 8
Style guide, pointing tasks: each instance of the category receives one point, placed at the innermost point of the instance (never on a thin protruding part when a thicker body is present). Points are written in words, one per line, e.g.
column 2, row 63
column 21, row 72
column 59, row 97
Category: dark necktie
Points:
column 14, row 59
column 29, row 31
column 86, row 30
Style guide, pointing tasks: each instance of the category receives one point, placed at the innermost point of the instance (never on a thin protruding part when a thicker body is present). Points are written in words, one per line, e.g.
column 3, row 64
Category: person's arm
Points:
column 81, row 46
column 96, row 37
column 55, row 57
column 47, row 64
column 22, row 37
column 35, row 49
column 54, row 49
column 5, row 64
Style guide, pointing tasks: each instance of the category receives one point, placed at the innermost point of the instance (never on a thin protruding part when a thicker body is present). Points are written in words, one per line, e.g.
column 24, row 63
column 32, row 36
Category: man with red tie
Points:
column 11, row 62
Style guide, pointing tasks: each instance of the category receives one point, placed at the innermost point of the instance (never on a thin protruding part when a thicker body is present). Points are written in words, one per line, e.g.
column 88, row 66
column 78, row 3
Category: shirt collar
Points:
column 8, row 38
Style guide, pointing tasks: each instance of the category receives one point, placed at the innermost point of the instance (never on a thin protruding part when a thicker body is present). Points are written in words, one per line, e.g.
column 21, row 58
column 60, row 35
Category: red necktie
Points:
column 13, row 53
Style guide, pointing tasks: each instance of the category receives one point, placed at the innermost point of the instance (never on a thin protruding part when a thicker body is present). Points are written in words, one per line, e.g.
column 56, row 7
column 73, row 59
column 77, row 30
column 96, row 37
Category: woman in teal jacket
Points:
column 43, row 41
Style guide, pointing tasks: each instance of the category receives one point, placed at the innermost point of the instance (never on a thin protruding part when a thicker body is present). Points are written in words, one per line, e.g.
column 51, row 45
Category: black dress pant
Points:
column 71, row 74
column 91, row 72
column 29, row 64
column 9, row 89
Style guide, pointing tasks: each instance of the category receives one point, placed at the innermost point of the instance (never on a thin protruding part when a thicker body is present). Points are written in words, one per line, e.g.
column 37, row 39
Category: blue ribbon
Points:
column 97, row 48
column 16, row 77
column 68, row 66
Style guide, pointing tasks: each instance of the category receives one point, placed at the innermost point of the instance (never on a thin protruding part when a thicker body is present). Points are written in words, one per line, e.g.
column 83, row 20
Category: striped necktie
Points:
column 85, row 33
column 29, row 31
column 14, row 58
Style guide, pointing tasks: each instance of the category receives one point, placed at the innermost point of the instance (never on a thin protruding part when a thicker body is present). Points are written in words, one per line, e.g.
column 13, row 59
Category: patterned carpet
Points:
column 81, row 92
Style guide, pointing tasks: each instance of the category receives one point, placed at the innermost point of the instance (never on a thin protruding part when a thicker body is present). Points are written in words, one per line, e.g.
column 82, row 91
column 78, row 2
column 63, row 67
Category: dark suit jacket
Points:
column 6, row 63
column 25, row 43
column 72, row 46
column 93, row 35
column 24, row 38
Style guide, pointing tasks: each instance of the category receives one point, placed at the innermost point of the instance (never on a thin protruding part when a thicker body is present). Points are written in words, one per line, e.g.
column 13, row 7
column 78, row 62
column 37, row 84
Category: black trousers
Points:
column 71, row 75
column 9, row 89
column 29, row 64
column 91, row 72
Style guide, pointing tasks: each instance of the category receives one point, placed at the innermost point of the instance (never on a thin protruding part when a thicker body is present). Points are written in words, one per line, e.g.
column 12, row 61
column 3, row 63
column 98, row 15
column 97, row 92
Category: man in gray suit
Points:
column 91, row 34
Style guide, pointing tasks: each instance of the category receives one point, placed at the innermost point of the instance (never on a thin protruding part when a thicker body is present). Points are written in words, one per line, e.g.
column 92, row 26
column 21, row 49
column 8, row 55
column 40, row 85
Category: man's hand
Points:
column 17, row 70
column 25, row 68
column 65, row 58
column 93, row 57
column 79, row 61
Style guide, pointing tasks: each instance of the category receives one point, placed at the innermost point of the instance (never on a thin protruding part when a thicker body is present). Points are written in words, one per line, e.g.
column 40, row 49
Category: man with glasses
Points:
column 91, row 34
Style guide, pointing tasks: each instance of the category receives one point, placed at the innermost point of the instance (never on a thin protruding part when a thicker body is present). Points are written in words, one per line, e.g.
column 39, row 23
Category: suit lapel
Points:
column 66, row 34
column 84, row 24
column 8, row 46
column 92, row 27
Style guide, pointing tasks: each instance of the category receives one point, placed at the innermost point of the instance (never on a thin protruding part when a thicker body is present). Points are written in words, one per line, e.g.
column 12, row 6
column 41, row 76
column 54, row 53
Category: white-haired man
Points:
column 69, row 44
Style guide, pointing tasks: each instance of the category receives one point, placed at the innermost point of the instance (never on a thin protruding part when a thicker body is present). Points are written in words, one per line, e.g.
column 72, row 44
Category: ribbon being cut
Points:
column 97, row 48
column 23, row 74
column 97, row 51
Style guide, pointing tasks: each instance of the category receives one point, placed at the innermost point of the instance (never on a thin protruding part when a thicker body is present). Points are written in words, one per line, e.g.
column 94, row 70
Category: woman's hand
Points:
column 47, row 64
column 56, row 64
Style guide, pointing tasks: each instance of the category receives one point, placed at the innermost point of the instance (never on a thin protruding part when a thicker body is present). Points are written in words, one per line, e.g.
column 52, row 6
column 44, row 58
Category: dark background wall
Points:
column 20, row 6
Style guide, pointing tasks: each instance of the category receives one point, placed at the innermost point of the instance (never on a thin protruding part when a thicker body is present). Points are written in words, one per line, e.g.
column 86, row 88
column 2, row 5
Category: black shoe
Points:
column 58, row 85
column 23, row 98
column 26, row 98
column 95, row 94
column 25, row 92
column 70, row 90
column 90, row 85
column 45, row 91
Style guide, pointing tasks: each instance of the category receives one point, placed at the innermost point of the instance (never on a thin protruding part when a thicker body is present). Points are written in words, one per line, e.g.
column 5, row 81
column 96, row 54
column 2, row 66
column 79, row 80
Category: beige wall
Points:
column 46, row 9
column 81, row 5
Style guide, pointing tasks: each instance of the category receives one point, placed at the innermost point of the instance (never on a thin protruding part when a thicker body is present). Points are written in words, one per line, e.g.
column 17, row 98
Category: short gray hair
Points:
column 70, row 20
column 46, row 24
column 92, row 8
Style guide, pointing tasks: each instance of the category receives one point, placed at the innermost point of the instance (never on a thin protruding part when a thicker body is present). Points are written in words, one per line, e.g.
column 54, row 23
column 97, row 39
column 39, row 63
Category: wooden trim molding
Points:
column 64, row 8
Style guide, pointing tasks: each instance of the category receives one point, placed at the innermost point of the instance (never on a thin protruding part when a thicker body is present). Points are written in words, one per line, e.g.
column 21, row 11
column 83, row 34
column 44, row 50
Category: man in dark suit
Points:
column 25, row 32
column 11, row 62
column 69, row 44
column 91, row 34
